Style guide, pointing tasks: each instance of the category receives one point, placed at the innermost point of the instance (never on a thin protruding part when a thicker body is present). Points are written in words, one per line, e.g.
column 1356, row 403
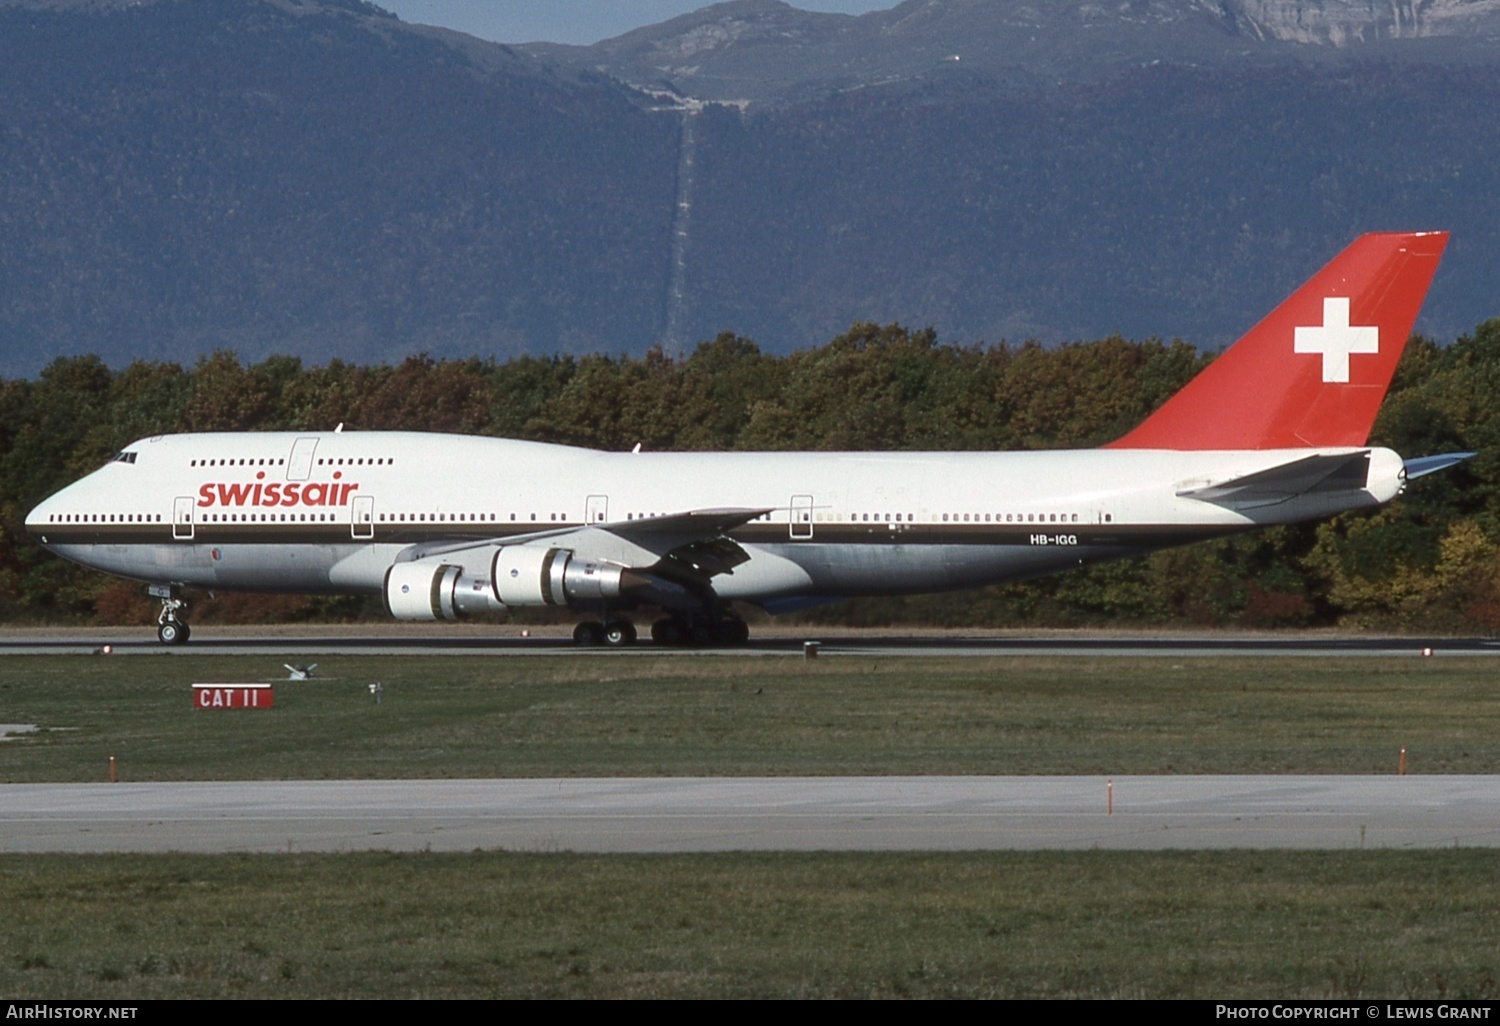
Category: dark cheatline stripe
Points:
column 1113, row 535
column 1081, row 536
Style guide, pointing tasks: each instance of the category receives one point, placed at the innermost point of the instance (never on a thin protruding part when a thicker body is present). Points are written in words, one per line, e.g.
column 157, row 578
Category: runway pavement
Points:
column 759, row 814
column 441, row 640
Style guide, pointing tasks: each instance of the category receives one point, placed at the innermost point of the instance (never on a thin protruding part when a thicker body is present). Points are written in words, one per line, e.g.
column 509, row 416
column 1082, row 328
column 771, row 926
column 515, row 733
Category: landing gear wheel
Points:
column 669, row 631
column 171, row 628
column 734, row 631
column 588, row 634
column 619, row 633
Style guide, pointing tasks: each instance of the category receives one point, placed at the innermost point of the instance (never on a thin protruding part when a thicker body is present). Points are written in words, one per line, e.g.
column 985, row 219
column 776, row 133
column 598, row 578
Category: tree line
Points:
column 1430, row 561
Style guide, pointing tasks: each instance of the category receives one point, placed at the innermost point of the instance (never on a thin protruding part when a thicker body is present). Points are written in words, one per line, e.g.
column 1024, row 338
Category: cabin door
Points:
column 299, row 463
column 182, row 518
column 362, row 517
column 802, row 517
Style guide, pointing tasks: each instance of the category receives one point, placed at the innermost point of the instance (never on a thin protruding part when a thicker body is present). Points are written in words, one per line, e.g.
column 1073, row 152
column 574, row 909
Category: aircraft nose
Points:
column 45, row 514
column 36, row 520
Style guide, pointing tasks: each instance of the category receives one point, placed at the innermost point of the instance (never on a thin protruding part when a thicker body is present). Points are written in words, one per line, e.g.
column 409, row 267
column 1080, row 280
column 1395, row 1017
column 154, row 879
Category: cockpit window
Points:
column 122, row 457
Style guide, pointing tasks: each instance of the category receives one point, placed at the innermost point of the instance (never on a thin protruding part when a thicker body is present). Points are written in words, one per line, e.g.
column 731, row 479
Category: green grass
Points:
column 1029, row 924
column 1080, row 924
column 493, row 716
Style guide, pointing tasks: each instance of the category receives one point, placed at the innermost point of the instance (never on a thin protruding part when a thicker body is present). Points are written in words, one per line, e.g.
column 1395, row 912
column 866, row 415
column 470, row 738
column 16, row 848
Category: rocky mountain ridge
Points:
column 770, row 51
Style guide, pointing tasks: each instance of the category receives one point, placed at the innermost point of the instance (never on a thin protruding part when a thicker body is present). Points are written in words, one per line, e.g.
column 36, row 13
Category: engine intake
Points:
column 422, row 591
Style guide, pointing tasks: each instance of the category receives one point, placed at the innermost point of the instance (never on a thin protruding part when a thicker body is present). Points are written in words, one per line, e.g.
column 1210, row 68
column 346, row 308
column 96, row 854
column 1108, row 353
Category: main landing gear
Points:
column 616, row 633
column 669, row 631
column 700, row 632
column 171, row 624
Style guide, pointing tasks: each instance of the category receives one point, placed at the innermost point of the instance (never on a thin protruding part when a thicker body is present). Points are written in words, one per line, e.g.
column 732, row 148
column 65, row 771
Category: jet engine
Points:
column 515, row 575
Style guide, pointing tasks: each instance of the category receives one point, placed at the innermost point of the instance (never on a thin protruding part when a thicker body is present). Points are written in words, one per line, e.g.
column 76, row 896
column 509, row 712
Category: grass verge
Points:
column 539, row 717
column 1079, row 924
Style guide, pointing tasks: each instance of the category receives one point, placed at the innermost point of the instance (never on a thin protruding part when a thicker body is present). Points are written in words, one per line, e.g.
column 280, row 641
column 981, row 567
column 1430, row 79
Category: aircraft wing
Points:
column 1341, row 472
column 693, row 544
column 694, row 522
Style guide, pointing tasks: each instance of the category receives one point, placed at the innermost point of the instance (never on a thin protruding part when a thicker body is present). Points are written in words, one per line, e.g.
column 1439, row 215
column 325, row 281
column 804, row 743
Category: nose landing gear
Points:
column 171, row 624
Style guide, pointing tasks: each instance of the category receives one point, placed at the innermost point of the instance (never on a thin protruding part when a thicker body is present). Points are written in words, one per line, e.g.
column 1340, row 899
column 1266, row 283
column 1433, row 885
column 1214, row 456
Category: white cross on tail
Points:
column 1336, row 340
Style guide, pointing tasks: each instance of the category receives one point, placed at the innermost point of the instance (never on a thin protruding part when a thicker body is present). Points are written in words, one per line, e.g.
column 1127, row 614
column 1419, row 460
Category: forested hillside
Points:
column 177, row 177
column 1429, row 561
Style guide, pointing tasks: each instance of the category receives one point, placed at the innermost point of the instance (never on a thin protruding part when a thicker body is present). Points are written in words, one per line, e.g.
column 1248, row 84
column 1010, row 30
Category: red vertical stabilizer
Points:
column 1313, row 372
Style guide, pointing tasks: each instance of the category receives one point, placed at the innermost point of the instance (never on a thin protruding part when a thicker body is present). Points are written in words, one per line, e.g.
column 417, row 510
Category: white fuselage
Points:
column 332, row 512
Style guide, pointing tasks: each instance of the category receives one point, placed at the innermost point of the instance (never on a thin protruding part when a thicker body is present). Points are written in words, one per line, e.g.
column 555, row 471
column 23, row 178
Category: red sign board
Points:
column 232, row 696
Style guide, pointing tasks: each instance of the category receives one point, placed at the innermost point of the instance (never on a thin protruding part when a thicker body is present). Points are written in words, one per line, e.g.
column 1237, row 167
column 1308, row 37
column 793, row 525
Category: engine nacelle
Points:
column 527, row 575
column 518, row 575
column 422, row 591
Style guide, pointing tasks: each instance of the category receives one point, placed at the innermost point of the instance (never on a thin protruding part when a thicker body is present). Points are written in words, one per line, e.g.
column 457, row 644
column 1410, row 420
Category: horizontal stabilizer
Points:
column 1424, row 465
column 1342, row 472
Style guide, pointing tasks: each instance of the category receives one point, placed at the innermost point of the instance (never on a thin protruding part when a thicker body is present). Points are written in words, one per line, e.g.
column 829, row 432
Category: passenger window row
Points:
column 436, row 518
column 267, row 518
column 1011, row 518
column 269, row 461
column 104, row 518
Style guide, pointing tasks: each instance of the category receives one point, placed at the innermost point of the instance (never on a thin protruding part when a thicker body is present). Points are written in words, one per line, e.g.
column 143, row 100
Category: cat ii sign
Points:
column 232, row 696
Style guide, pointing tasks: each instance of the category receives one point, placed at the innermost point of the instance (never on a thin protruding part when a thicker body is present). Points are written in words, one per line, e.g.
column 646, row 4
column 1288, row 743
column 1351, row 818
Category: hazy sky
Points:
column 571, row 21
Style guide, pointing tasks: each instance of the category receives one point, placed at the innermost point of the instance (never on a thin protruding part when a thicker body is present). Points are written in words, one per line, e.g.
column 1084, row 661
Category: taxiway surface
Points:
column 756, row 814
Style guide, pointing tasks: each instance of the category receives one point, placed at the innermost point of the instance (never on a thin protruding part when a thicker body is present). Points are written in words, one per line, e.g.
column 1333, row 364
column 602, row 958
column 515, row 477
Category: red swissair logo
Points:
column 277, row 493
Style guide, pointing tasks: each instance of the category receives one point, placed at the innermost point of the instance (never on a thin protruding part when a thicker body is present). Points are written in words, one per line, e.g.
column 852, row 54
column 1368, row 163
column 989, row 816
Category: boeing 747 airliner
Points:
column 1272, row 432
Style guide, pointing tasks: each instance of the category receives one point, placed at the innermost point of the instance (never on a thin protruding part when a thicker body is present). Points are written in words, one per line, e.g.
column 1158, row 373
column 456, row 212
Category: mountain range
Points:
column 315, row 177
column 768, row 51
